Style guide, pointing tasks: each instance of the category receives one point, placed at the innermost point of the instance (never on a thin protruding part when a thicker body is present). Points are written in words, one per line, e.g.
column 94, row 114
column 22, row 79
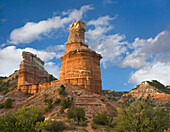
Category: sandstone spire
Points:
column 80, row 65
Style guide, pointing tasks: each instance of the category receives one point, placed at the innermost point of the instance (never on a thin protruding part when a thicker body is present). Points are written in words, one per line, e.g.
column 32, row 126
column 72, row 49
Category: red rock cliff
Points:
column 31, row 70
column 80, row 65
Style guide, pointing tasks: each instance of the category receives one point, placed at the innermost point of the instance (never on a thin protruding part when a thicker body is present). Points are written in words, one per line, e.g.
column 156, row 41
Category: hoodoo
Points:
column 80, row 66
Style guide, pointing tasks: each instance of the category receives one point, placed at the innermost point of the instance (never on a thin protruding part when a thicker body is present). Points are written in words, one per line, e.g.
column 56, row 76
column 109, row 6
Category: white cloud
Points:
column 59, row 49
column 55, row 48
column 152, row 57
column 53, row 69
column 157, row 49
column 34, row 31
column 111, row 47
column 2, row 45
column 159, row 71
column 10, row 58
column 135, row 60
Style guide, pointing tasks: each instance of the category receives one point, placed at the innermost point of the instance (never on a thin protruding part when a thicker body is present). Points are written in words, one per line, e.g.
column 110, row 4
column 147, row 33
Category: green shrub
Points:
column 57, row 101
column 78, row 114
column 109, row 98
column 16, row 76
column 65, row 103
column 102, row 100
column 8, row 103
column 12, row 78
column 64, row 93
column 49, row 105
column 72, row 99
column 140, row 116
column 22, row 121
column 100, row 118
column 62, row 90
column 1, row 105
column 48, row 101
column 7, row 83
column 5, row 91
column 52, row 126
column 13, row 87
column 62, row 87
column 26, row 93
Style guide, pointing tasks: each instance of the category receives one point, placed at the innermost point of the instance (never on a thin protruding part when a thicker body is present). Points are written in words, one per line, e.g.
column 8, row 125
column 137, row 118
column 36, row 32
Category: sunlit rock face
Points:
column 153, row 90
column 80, row 65
column 31, row 71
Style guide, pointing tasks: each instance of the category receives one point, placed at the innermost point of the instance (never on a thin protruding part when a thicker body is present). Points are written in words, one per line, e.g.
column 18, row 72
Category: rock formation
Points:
column 152, row 90
column 91, row 102
column 31, row 71
column 80, row 66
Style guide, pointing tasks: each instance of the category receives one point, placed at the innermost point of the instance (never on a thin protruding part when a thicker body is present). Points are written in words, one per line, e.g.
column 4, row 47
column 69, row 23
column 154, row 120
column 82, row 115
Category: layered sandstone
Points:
column 80, row 66
column 152, row 90
column 31, row 72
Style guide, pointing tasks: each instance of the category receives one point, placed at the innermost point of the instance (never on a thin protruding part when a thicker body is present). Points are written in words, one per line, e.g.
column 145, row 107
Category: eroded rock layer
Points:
column 31, row 71
column 153, row 90
column 80, row 66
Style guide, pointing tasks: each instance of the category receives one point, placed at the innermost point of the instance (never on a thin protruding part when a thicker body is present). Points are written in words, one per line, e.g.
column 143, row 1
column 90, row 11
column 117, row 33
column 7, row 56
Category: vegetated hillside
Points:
column 153, row 90
column 8, row 84
column 45, row 101
column 114, row 95
column 12, row 76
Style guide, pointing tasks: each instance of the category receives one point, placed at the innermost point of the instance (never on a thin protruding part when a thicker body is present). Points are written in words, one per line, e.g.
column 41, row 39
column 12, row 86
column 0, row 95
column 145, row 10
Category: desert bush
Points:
column 62, row 87
column 26, row 93
column 48, row 101
column 8, row 103
column 5, row 91
column 1, row 105
column 72, row 99
column 52, row 126
column 49, row 104
column 13, row 87
column 100, row 118
column 22, row 121
column 62, row 90
column 16, row 76
column 102, row 100
column 57, row 101
column 65, row 103
column 78, row 114
column 7, row 83
column 140, row 116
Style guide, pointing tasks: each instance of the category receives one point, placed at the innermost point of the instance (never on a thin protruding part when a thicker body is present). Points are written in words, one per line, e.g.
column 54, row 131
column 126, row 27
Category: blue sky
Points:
column 133, row 36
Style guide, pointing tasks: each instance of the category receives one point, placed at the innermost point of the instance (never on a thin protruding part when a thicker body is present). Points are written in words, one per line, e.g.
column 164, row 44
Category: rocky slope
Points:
column 113, row 95
column 8, row 84
column 153, row 90
column 91, row 102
